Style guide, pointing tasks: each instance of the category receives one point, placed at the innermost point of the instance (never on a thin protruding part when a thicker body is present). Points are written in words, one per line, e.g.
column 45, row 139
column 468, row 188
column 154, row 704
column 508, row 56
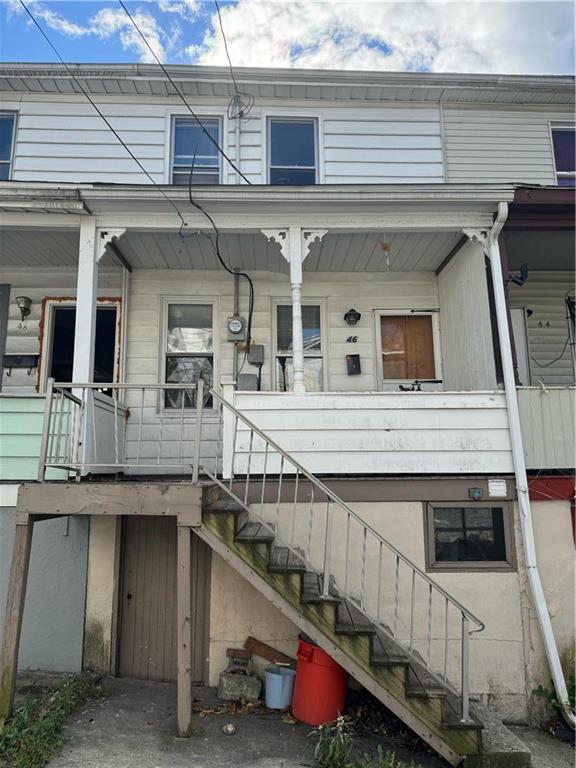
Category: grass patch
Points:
column 33, row 735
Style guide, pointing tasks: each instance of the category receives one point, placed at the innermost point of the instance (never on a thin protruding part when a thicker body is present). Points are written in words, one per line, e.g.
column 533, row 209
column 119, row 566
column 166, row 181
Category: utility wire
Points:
column 241, row 103
column 179, row 92
column 104, row 118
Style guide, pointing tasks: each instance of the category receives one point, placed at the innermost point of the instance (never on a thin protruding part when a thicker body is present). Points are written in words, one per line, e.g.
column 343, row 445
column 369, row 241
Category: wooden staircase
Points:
column 369, row 653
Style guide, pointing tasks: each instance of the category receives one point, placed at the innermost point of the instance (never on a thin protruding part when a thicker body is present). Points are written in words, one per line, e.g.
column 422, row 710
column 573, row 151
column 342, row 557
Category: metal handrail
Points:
column 466, row 616
column 336, row 499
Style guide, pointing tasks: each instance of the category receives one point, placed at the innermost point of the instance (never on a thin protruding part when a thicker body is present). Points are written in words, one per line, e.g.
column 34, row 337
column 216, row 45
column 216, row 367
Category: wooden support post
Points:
column 14, row 611
column 184, row 630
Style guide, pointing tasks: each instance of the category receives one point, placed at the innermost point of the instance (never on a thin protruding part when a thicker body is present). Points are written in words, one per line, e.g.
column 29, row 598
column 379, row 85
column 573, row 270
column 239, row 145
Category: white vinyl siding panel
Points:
column 547, row 417
column 547, row 326
column 388, row 145
column 500, row 145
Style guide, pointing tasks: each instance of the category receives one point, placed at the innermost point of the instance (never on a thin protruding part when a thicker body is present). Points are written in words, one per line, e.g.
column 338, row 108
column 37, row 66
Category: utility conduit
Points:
column 493, row 252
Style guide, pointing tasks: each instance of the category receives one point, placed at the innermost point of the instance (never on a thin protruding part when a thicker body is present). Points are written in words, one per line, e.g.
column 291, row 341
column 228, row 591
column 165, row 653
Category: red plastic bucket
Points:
column 320, row 686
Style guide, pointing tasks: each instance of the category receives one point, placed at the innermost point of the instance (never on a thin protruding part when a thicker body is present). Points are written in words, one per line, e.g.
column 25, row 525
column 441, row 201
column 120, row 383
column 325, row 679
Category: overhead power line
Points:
column 99, row 111
column 241, row 103
column 182, row 97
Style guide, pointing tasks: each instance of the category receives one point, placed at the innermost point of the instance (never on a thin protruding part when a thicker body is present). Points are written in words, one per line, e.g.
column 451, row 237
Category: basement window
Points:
column 195, row 158
column 292, row 145
column 564, row 155
column 469, row 537
column 7, row 123
column 189, row 352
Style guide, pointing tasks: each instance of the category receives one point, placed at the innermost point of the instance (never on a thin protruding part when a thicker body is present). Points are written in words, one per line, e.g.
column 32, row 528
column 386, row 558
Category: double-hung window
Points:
column 292, row 144
column 469, row 536
column 195, row 157
column 189, row 352
column 7, row 124
column 563, row 140
column 312, row 332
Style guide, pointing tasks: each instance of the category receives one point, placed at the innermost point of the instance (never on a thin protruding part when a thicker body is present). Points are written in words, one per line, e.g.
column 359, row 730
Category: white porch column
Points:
column 295, row 244
column 91, row 249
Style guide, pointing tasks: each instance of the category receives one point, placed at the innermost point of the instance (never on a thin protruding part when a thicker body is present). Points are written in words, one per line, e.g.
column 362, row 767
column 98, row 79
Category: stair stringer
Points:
column 269, row 586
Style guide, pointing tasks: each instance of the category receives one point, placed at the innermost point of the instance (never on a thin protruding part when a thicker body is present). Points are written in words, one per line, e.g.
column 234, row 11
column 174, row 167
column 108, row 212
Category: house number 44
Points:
column 351, row 339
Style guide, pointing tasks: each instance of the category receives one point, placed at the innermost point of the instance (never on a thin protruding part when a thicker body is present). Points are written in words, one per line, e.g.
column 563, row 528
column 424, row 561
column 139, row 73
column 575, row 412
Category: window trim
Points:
column 291, row 119
column 470, row 565
column 560, row 127
column 10, row 162
column 383, row 383
column 165, row 302
column 173, row 117
column 287, row 301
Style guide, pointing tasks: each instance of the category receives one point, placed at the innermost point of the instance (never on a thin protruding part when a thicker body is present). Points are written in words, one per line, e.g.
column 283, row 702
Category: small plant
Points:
column 334, row 747
column 33, row 735
column 549, row 694
column 334, row 744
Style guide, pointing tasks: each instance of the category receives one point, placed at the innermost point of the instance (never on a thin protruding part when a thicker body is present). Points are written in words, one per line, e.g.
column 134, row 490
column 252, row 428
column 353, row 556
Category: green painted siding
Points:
column 21, row 421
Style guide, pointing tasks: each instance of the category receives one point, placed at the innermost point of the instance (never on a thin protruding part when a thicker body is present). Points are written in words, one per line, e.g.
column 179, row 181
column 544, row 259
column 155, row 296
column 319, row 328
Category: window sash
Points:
column 295, row 166
column 8, row 161
column 312, row 353
column 504, row 529
column 204, row 164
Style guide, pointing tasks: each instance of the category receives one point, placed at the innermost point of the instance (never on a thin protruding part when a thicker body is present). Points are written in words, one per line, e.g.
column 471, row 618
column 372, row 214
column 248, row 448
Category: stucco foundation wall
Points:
column 555, row 553
column 238, row 610
column 53, row 624
column 497, row 654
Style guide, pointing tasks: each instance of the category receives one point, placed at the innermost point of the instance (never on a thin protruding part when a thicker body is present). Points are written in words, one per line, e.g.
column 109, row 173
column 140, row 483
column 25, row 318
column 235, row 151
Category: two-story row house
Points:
column 309, row 369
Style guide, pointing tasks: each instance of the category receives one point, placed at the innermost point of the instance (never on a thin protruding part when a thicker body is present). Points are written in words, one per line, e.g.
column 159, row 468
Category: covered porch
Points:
column 372, row 344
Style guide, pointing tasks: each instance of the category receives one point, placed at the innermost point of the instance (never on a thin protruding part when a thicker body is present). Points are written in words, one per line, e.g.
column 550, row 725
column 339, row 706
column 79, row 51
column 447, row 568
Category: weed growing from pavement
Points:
column 33, row 735
column 334, row 748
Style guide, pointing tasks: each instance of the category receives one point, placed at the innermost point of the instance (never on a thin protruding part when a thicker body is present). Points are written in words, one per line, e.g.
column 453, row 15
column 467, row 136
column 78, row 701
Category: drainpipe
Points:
column 537, row 592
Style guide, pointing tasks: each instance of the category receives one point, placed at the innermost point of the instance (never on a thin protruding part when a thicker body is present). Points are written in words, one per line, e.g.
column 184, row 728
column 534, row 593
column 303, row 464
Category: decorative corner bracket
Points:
column 105, row 237
column 280, row 236
column 477, row 235
column 309, row 236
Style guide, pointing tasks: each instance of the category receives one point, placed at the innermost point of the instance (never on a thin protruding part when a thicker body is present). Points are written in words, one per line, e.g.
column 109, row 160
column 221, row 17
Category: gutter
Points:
column 534, row 580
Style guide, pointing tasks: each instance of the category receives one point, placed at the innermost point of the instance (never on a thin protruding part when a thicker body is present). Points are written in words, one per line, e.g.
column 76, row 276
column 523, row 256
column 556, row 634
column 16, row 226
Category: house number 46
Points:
column 351, row 339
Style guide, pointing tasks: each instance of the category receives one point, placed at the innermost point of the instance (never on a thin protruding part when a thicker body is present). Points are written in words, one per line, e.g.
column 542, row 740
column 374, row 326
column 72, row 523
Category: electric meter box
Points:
column 236, row 328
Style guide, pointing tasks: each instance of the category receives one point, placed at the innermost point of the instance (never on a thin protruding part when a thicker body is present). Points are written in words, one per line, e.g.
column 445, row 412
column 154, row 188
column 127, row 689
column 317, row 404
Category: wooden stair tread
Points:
column 451, row 714
column 386, row 652
column 223, row 506
column 255, row 532
column 420, row 684
column 350, row 621
column 284, row 560
column 312, row 589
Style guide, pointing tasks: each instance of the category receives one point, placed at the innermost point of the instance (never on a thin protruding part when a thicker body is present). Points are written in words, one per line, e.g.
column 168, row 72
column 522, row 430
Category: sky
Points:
column 527, row 37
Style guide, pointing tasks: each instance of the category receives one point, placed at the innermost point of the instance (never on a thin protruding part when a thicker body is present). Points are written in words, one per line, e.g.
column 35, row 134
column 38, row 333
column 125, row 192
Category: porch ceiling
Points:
column 337, row 252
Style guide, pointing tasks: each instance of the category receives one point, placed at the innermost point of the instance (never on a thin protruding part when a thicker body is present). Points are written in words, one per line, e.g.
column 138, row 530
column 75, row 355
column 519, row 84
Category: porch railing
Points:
column 306, row 517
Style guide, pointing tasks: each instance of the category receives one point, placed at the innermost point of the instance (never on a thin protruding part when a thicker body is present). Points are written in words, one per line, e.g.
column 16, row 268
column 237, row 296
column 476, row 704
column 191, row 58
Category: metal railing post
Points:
column 45, row 430
column 465, row 669
column 199, row 413
column 327, row 550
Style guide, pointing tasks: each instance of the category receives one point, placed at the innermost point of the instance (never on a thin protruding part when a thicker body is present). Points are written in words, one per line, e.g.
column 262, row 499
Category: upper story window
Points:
column 194, row 153
column 292, row 145
column 7, row 122
column 564, row 155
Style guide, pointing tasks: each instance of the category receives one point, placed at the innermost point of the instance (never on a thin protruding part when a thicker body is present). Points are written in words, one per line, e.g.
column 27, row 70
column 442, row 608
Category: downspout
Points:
column 534, row 580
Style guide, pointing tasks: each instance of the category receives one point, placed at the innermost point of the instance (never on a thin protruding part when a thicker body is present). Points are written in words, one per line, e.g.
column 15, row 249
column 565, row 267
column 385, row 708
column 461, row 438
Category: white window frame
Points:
column 200, row 300
column 287, row 301
column 50, row 305
column 383, row 383
column 270, row 118
column 10, row 161
column 172, row 117
column 560, row 127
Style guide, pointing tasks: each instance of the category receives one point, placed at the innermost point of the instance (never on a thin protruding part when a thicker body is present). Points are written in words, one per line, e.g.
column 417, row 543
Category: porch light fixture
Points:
column 23, row 303
column 352, row 317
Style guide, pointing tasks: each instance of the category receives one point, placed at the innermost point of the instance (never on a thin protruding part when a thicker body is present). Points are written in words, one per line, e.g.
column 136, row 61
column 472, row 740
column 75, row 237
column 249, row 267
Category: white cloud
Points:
column 187, row 9
column 508, row 37
column 110, row 21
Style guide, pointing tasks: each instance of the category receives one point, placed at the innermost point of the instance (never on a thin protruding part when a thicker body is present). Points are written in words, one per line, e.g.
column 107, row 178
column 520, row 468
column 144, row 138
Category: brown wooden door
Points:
column 147, row 627
column 407, row 347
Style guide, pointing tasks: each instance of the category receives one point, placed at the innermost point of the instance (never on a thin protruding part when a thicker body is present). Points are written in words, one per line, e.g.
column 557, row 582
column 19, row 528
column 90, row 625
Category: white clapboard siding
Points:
column 547, row 326
column 387, row 145
column 375, row 432
column 40, row 284
column 547, row 417
column 500, row 144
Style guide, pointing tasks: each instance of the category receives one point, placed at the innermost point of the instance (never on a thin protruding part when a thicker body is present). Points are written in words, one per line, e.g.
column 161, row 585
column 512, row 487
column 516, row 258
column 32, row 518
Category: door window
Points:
column 189, row 352
column 407, row 347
